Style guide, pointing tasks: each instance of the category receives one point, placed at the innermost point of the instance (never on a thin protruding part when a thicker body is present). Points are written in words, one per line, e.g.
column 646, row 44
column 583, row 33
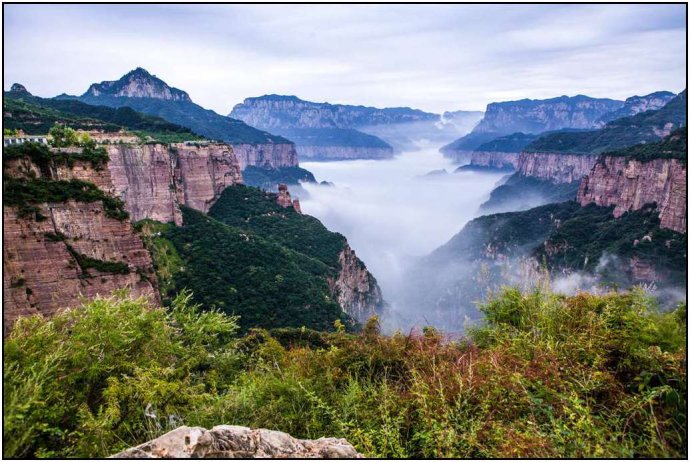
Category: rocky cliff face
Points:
column 269, row 155
column 138, row 84
column 554, row 167
column 277, row 111
column 636, row 104
column 535, row 116
column 356, row 288
column 233, row 442
column 49, row 264
column 154, row 180
column 499, row 160
column 343, row 153
column 630, row 184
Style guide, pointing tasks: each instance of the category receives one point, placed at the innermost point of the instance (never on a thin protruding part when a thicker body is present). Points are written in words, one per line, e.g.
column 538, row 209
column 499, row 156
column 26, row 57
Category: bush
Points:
column 545, row 376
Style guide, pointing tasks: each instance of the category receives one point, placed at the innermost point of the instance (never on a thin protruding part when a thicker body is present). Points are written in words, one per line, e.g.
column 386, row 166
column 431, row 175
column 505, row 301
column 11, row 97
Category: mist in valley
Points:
column 395, row 211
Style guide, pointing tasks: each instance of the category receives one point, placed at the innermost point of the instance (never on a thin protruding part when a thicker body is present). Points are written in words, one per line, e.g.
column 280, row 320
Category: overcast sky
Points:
column 434, row 57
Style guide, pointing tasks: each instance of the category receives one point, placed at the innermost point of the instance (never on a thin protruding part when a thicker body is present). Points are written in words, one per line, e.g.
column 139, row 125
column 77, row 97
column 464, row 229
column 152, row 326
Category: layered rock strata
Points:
column 234, row 442
column 41, row 259
column 154, row 179
column 630, row 184
column 498, row 160
column 269, row 155
column 554, row 167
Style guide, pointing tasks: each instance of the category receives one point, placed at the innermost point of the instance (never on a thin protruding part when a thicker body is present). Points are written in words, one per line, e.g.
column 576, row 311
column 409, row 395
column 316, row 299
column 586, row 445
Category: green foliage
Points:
column 580, row 241
column 332, row 137
column 37, row 115
column 63, row 136
column 246, row 273
column 268, row 178
column 45, row 159
column 674, row 146
column 257, row 211
column 27, row 194
column 509, row 143
column 108, row 375
column 545, row 376
column 617, row 134
column 85, row 262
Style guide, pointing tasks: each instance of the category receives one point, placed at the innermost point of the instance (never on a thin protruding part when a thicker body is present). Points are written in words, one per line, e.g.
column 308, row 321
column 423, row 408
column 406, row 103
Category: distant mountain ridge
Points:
column 536, row 116
column 279, row 111
column 138, row 84
column 636, row 104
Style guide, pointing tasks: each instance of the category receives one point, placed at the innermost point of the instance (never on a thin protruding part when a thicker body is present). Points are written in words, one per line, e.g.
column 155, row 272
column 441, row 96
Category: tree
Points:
column 63, row 136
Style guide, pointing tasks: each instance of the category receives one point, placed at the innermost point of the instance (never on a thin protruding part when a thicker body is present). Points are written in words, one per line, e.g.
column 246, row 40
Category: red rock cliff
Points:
column 630, row 184
column 42, row 273
column 154, row 180
column 495, row 159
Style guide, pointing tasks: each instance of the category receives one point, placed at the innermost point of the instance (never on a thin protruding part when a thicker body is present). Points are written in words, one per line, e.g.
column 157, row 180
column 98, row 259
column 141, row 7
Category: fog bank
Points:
column 392, row 211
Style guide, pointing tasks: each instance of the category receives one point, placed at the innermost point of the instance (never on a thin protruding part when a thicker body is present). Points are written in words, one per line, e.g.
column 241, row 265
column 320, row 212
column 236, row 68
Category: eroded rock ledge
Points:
column 229, row 441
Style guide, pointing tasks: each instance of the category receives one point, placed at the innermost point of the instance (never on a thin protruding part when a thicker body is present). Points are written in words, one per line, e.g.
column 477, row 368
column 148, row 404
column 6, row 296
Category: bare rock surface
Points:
column 630, row 184
column 232, row 442
column 555, row 167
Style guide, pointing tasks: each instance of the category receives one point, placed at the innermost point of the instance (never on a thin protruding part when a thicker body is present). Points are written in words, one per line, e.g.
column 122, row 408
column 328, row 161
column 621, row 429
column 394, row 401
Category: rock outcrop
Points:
column 43, row 261
column 234, row 442
column 269, row 155
column 342, row 152
column 630, row 184
column 154, row 179
column 285, row 200
column 497, row 160
column 557, row 168
column 138, row 84
column 355, row 288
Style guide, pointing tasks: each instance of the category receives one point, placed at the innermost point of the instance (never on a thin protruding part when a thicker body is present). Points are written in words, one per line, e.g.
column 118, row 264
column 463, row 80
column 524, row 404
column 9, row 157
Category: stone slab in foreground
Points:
column 229, row 441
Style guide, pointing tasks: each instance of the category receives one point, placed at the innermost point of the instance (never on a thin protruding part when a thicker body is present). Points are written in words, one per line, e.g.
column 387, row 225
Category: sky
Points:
column 431, row 57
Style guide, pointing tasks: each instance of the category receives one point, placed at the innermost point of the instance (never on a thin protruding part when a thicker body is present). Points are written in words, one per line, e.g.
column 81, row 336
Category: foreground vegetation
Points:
column 545, row 376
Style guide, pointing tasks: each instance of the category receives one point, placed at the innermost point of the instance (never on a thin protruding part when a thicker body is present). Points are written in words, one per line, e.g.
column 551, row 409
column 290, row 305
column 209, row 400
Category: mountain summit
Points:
column 138, row 83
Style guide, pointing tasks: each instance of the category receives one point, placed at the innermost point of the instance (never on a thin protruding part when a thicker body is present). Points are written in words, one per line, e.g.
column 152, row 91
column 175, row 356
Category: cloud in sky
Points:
column 433, row 57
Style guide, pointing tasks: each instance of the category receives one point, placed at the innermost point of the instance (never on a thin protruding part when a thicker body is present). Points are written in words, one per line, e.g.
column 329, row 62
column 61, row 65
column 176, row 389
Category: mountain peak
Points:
column 19, row 89
column 138, row 83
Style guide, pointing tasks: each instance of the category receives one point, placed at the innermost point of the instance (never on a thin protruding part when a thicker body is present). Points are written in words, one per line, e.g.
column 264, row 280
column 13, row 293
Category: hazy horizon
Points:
column 430, row 57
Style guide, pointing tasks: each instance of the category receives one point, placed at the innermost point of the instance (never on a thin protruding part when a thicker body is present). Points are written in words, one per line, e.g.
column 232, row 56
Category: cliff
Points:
column 629, row 184
column 495, row 159
column 536, row 116
column 234, row 442
column 636, row 104
column 74, row 250
column 155, row 180
column 278, row 111
column 343, row 153
column 555, row 167
column 269, row 155
column 355, row 288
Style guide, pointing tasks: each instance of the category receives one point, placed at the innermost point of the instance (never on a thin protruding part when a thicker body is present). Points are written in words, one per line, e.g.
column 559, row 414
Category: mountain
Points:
column 253, row 255
column 146, row 93
column 636, row 104
column 551, row 167
column 35, row 116
column 532, row 117
column 644, row 127
column 336, row 131
column 277, row 111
